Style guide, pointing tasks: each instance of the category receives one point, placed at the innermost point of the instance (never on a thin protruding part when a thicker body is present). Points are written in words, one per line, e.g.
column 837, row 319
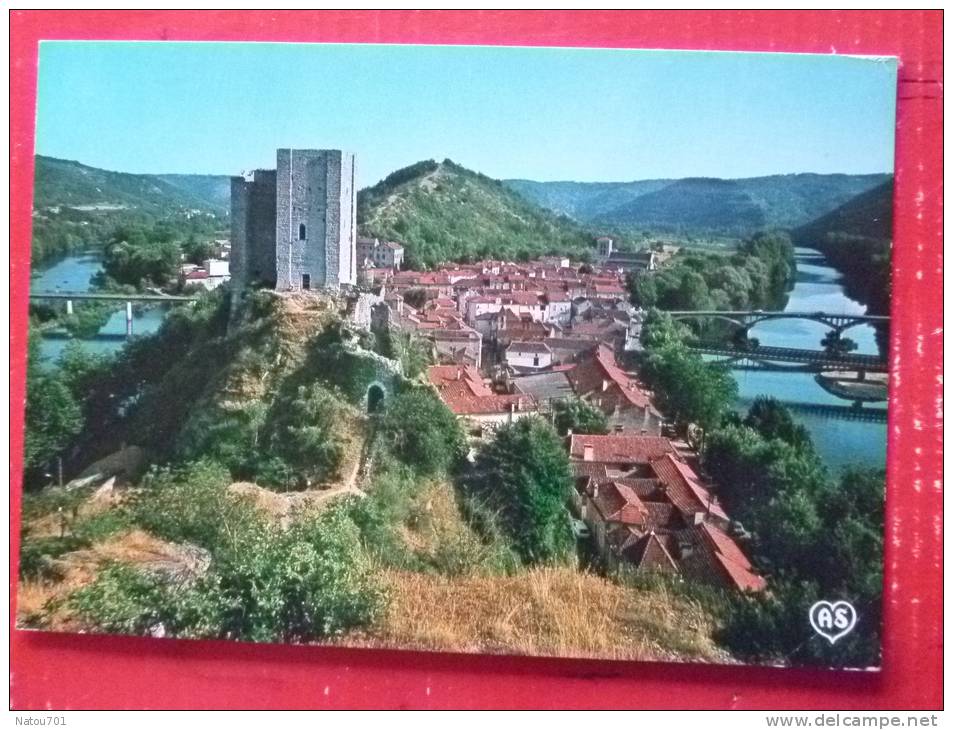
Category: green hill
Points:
column 213, row 190
column 692, row 205
column 856, row 238
column 77, row 207
column 701, row 205
column 278, row 510
column 583, row 201
column 444, row 212
column 72, row 184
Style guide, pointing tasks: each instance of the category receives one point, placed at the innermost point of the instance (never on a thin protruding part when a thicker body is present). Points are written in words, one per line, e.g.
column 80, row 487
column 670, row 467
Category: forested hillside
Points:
column 213, row 190
column 584, row 201
column 700, row 205
column 79, row 207
column 443, row 212
column 856, row 238
column 68, row 183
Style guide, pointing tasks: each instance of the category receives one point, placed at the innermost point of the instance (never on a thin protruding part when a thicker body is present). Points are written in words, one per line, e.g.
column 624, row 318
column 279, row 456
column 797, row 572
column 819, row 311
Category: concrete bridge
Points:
column 744, row 320
column 127, row 299
column 769, row 358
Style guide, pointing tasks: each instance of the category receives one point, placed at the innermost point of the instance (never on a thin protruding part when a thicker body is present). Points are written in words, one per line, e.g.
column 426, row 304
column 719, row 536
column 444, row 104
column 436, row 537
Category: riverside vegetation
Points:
column 813, row 533
column 237, row 425
column 285, row 513
column 423, row 528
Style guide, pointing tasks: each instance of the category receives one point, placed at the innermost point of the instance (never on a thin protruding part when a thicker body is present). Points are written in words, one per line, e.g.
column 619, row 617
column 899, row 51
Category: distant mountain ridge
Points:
column 72, row 184
column 215, row 190
column 700, row 205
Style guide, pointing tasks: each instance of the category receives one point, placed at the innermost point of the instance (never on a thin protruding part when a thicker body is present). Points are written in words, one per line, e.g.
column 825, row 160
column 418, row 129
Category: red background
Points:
column 73, row 671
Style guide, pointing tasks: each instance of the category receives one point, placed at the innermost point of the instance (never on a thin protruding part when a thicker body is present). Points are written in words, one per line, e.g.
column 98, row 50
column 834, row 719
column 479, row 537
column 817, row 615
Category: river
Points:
column 73, row 274
column 817, row 288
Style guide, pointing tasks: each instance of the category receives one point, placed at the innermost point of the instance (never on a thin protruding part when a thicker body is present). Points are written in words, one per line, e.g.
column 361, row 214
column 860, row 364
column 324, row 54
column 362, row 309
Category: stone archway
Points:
column 375, row 398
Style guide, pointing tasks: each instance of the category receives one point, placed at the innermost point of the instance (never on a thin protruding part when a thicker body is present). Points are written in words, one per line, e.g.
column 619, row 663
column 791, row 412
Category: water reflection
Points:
column 817, row 289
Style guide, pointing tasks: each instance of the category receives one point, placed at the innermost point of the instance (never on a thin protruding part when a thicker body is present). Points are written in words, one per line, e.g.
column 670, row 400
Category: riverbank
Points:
column 818, row 286
column 74, row 273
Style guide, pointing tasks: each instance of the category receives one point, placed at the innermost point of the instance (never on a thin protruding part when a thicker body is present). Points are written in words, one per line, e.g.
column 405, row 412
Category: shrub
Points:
column 305, row 432
column 311, row 581
column 523, row 475
column 190, row 504
column 53, row 415
column 579, row 416
column 422, row 432
column 264, row 583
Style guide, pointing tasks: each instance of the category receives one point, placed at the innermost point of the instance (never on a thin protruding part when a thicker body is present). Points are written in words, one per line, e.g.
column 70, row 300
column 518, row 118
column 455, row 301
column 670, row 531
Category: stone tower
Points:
column 295, row 227
column 252, row 258
column 316, row 219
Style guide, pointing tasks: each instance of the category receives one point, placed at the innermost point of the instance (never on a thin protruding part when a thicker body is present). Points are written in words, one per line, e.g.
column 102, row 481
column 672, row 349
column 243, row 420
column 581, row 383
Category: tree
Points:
column 422, row 432
column 523, row 475
column 688, row 389
column 141, row 256
column 835, row 345
column 305, row 432
column 416, row 297
column 196, row 250
column 580, row 417
column 53, row 415
column 772, row 420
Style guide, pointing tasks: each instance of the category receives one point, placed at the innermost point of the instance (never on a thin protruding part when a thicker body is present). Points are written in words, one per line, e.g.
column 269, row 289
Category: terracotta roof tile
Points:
column 462, row 388
column 717, row 558
column 684, row 488
column 651, row 553
column 624, row 449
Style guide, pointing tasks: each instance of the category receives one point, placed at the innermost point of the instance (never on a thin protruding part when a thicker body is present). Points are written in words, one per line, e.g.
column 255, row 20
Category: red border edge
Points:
column 51, row 671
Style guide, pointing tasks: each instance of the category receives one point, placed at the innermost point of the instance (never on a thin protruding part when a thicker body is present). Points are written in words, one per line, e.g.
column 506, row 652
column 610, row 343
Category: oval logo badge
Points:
column 833, row 621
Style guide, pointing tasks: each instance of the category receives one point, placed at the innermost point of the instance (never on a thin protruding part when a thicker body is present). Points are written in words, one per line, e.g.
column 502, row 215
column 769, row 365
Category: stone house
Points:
column 598, row 379
column 523, row 356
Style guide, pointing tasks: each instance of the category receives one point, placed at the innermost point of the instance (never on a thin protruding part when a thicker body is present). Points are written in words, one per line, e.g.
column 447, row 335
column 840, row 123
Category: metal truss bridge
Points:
column 770, row 358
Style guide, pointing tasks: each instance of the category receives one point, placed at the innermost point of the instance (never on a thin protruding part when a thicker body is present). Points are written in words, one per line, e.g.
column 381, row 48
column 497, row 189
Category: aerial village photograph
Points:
column 550, row 352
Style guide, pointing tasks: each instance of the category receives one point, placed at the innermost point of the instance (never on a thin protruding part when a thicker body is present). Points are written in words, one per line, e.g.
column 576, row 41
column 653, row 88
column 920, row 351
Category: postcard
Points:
column 554, row 352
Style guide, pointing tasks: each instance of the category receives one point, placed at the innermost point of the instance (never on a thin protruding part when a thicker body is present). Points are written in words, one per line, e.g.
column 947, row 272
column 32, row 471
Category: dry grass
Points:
column 38, row 600
column 283, row 508
column 542, row 612
column 557, row 611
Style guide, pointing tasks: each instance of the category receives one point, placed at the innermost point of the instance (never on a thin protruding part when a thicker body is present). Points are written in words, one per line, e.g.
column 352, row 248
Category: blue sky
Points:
column 544, row 114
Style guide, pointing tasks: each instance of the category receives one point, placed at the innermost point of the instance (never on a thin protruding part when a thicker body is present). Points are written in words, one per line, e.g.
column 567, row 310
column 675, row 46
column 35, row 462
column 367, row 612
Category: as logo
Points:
column 832, row 620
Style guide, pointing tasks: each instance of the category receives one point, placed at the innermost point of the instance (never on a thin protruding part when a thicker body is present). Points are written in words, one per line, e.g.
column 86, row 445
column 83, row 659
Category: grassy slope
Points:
column 551, row 611
column 443, row 212
column 543, row 612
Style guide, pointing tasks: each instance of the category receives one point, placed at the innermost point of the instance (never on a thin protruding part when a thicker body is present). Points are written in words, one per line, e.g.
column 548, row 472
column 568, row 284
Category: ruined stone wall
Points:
column 238, row 258
column 252, row 257
column 346, row 244
column 261, row 260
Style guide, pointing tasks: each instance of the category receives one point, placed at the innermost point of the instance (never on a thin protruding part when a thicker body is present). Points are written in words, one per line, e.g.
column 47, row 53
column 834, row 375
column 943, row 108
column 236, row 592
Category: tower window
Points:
column 302, row 232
